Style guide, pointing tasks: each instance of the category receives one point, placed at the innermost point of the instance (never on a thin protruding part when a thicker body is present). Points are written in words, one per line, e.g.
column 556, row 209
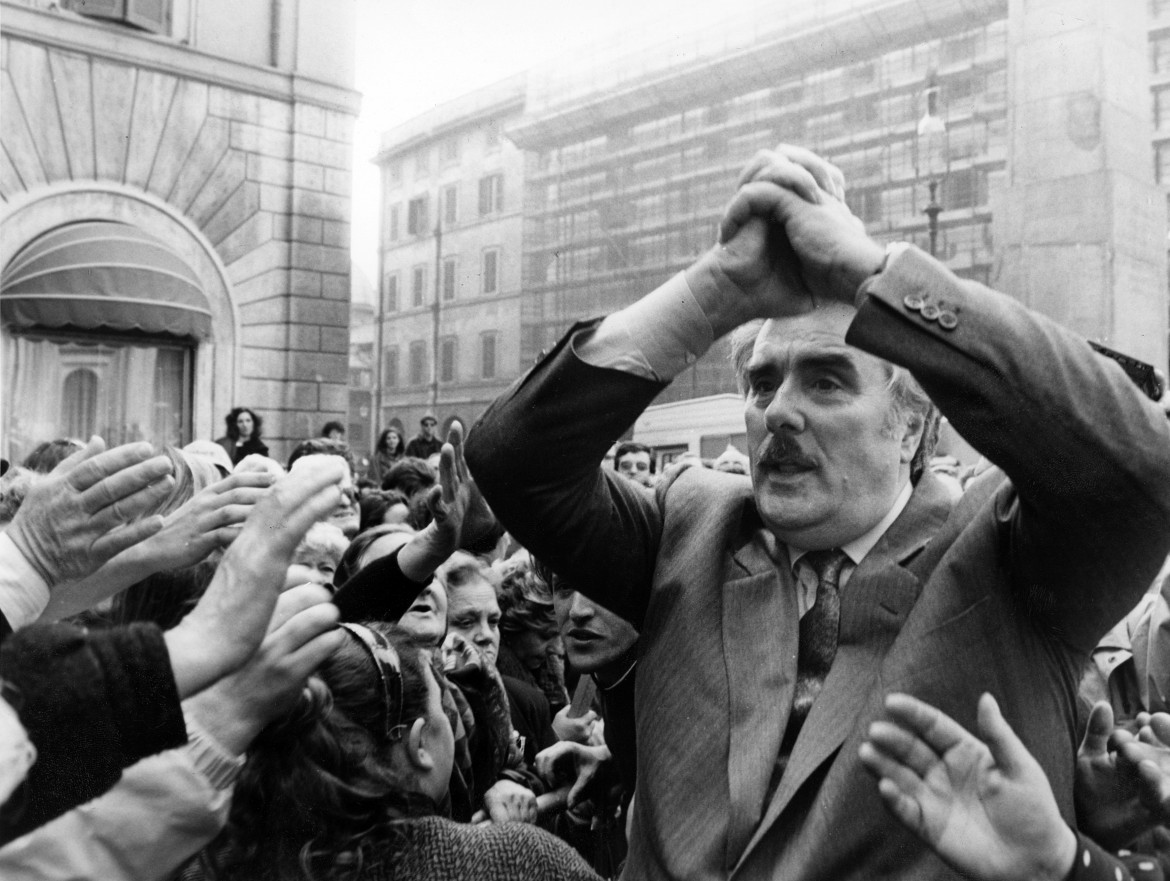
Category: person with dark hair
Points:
column 409, row 475
column 775, row 613
column 426, row 443
column 347, row 517
column 383, row 506
column 635, row 461
column 243, row 434
column 47, row 455
column 347, row 785
column 529, row 632
column 333, row 430
column 389, row 450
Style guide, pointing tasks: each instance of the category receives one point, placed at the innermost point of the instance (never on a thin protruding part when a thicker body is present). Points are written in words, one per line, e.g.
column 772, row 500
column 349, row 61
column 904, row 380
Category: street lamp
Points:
column 932, row 137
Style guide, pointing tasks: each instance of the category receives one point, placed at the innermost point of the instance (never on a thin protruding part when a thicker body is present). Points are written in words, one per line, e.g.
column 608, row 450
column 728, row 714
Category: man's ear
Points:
column 416, row 747
column 914, row 428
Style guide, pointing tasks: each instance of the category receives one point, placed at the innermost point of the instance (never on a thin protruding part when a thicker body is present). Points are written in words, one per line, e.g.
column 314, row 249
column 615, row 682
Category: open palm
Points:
column 984, row 805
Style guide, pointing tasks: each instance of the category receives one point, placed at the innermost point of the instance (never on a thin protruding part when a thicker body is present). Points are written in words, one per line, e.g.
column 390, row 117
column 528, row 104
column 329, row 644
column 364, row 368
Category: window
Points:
column 416, row 217
column 491, row 261
column 422, row 163
column 491, row 136
column 449, row 278
column 391, row 299
column 149, row 15
column 447, row 360
column 449, row 151
column 491, row 194
column 394, row 222
column 487, row 356
column 1162, row 109
column 77, row 385
column 390, row 367
column 450, row 204
column 418, row 362
column 419, row 286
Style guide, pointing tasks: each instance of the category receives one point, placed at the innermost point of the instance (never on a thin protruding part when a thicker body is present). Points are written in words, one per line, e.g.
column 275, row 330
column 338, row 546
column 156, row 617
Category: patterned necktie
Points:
column 818, row 634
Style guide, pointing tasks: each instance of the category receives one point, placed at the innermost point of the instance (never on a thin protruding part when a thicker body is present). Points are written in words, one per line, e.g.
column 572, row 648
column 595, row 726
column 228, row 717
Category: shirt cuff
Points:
column 656, row 338
column 24, row 594
column 212, row 760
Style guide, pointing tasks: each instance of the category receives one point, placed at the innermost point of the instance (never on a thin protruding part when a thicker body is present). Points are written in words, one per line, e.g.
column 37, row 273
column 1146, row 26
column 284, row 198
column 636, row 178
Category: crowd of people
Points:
column 498, row 656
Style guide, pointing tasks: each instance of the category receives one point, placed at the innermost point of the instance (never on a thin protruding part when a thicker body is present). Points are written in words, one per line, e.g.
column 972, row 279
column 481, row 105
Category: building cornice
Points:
column 73, row 33
column 462, row 112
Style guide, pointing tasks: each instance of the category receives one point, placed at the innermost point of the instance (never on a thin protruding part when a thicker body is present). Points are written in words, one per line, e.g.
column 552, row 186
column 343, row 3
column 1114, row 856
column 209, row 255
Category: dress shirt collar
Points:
column 863, row 544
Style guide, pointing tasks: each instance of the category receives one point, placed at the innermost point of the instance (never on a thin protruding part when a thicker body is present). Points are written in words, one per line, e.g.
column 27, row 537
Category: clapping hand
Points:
column 982, row 803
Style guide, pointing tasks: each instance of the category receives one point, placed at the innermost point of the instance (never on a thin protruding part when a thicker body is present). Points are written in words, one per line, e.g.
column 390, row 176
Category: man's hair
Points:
column 627, row 447
column 322, row 446
column 332, row 425
column 409, row 475
column 909, row 403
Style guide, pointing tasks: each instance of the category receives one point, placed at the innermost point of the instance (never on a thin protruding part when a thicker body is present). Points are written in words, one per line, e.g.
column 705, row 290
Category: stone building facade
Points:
column 450, row 253
column 174, row 224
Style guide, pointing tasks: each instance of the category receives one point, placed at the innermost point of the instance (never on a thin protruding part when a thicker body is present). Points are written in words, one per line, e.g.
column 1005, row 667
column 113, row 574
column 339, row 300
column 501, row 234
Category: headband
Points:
column 389, row 669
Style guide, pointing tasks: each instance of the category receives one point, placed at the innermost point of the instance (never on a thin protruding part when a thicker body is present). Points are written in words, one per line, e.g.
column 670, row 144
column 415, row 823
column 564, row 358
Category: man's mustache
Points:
column 779, row 451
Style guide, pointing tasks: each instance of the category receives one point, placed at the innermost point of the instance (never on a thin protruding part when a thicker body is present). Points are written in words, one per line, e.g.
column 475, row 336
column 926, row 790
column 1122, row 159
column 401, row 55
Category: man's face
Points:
column 826, row 463
column 474, row 613
column 635, row 466
column 244, row 425
column 336, row 434
column 594, row 636
column 347, row 516
column 428, row 428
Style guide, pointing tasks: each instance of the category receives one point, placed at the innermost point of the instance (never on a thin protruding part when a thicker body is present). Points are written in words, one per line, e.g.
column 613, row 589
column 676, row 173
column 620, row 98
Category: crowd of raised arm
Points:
column 497, row 655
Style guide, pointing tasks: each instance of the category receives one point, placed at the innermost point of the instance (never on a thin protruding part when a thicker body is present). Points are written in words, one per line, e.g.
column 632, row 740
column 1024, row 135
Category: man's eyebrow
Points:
column 840, row 362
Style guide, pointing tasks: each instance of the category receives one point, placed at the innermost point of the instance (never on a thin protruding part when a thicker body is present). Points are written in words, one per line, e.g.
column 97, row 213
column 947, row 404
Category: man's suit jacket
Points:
column 1005, row 593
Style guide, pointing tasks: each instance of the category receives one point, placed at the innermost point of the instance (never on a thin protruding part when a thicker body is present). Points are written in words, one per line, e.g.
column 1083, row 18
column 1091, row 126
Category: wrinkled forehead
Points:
column 474, row 594
column 813, row 335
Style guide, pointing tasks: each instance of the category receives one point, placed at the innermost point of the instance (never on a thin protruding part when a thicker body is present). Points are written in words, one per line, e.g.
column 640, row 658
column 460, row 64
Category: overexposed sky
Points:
column 415, row 54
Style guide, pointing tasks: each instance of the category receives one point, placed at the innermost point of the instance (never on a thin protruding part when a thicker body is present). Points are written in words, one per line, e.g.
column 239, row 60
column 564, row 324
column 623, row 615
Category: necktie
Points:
column 818, row 634
column 818, row 647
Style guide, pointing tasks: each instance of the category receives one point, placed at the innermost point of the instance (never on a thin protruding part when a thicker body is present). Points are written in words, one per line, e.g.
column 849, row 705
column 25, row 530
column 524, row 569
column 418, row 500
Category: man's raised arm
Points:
column 535, row 452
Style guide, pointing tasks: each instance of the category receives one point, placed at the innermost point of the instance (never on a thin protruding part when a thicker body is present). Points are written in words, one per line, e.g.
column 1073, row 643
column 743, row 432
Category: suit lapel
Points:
column 874, row 604
column 759, row 615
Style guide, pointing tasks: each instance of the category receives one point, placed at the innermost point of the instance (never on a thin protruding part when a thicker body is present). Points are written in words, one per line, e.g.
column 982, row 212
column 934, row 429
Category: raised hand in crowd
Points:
column 83, row 512
column 231, row 618
column 301, row 635
column 573, row 763
column 208, row 521
column 982, row 803
column 461, row 516
column 1123, row 779
column 577, row 729
column 507, row 802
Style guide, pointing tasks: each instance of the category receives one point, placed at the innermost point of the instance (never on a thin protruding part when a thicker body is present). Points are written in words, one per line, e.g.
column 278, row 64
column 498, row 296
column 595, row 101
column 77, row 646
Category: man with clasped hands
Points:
column 775, row 614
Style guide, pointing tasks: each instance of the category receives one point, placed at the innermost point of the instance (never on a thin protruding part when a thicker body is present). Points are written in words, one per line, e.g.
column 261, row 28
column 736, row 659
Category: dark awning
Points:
column 103, row 275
